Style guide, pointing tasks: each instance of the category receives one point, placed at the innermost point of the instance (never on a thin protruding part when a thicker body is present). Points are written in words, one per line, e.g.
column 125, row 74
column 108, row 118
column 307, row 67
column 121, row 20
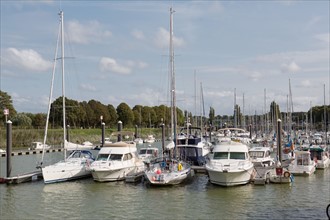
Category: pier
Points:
column 30, row 152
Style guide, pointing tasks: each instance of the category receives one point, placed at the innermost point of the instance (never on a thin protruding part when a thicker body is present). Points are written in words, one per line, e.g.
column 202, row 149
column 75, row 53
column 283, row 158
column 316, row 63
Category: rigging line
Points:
column 50, row 98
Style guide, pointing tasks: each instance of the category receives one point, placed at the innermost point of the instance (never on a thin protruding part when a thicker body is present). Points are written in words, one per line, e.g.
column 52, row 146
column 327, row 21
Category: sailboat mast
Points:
column 63, row 81
column 173, row 100
column 235, row 110
column 325, row 119
column 50, row 97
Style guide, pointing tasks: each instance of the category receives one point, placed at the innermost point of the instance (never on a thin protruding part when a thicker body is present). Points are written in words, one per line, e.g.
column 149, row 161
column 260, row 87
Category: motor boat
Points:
column 115, row 161
column 260, row 156
column 303, row 164
column 230, row 164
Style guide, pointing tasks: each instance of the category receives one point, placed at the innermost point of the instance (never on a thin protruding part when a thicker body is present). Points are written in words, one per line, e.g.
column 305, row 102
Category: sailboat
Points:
column 74, row 166
column 169, row 171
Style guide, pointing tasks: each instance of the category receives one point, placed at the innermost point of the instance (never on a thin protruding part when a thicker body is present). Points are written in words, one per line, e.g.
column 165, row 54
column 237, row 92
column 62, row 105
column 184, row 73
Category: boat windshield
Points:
column 102, row 157
column 142, row 151
column 116, row 156
column 149, row 151
column 220, row 155
column 256, row 154
column 316, row 154
column 237, row 155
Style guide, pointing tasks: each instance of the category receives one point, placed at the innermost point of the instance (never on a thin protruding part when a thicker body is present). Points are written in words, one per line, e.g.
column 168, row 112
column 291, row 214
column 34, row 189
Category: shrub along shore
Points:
column 23, row 138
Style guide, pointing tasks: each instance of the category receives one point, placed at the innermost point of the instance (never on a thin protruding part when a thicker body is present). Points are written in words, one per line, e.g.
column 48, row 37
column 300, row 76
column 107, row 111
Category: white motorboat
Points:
column 74, row 167
column 115, row 161
column 138, row 140
column 148, row 154
column 260, row 156
column 302, row 165
column 320, row 155
column 230, row 164
column 39, row 146
column 150, row 139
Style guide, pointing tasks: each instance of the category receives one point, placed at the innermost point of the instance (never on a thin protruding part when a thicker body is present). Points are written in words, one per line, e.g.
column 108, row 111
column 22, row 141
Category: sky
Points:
column 118, row 51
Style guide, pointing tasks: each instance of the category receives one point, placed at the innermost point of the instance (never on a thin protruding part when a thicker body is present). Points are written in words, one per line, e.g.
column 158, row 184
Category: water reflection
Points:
column 307, row 197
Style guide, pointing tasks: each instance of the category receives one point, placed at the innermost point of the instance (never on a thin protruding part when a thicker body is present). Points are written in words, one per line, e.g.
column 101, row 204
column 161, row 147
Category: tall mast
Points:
column 195, row 118
column 50, row 94
column 63, row 81
column 325, row 119
column 243, row 112
column 173, row 98
column 311, row 118
column 235, row 110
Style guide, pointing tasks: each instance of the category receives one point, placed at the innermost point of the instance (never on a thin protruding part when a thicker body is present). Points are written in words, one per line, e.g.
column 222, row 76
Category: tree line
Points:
column 92, row 113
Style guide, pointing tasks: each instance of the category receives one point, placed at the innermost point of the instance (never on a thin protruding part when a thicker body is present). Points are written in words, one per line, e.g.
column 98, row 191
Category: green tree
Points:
column 113, row 115
column 125, row 114
column 137, row 111
column 39, row 120
column 99, row 110
column 6, row 103
column 88, row 115
column 22, row 120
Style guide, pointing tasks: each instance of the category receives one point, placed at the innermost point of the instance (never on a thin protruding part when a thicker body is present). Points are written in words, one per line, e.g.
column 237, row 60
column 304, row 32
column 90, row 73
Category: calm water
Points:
column 306, row 198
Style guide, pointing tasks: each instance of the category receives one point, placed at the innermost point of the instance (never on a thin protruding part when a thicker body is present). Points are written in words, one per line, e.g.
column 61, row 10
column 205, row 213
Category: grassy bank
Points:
column 22, row 138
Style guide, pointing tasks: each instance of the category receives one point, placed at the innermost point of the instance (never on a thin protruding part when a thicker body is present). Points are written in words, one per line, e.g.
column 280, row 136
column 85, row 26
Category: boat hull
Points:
column 230, row 178
column 108, row 175
column 63, row 171
column 167, row 178
column 302, row 170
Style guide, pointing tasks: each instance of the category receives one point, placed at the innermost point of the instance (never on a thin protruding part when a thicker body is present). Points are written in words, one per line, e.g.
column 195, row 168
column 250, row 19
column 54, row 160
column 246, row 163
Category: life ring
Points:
column 286, row 174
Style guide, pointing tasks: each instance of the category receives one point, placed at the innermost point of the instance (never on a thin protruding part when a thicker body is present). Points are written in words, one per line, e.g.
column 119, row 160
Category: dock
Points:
column 199, row 169
column 30, row 152
column 136, row 177
column 22, row 178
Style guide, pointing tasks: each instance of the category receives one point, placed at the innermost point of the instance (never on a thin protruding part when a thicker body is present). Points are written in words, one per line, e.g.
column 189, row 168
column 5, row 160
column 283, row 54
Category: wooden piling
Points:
column 103, row 133
column 9, row 147
column 120, row 128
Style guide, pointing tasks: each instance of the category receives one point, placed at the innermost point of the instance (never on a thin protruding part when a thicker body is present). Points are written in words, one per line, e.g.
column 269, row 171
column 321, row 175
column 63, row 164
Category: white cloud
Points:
column 290, row 68
column 162, row 39
column 86, row 33
column 138, row 34
column 109, row 64
column 26, row 59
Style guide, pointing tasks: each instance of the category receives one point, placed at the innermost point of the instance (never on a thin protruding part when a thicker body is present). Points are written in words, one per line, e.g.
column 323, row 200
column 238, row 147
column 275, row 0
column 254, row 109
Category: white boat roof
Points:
column 148, row 148
column 112, row 150
column 301, row 152
column 120, row 147
column 120, row 144
column 231, row 147
column 263, row 149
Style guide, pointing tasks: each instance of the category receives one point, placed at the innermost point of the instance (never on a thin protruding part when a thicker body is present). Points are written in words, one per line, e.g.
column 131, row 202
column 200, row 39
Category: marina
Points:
column 305, row 198
column 249, row 161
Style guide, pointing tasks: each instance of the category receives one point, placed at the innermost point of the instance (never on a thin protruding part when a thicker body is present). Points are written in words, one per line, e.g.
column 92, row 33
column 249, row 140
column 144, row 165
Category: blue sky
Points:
column 117, row 51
